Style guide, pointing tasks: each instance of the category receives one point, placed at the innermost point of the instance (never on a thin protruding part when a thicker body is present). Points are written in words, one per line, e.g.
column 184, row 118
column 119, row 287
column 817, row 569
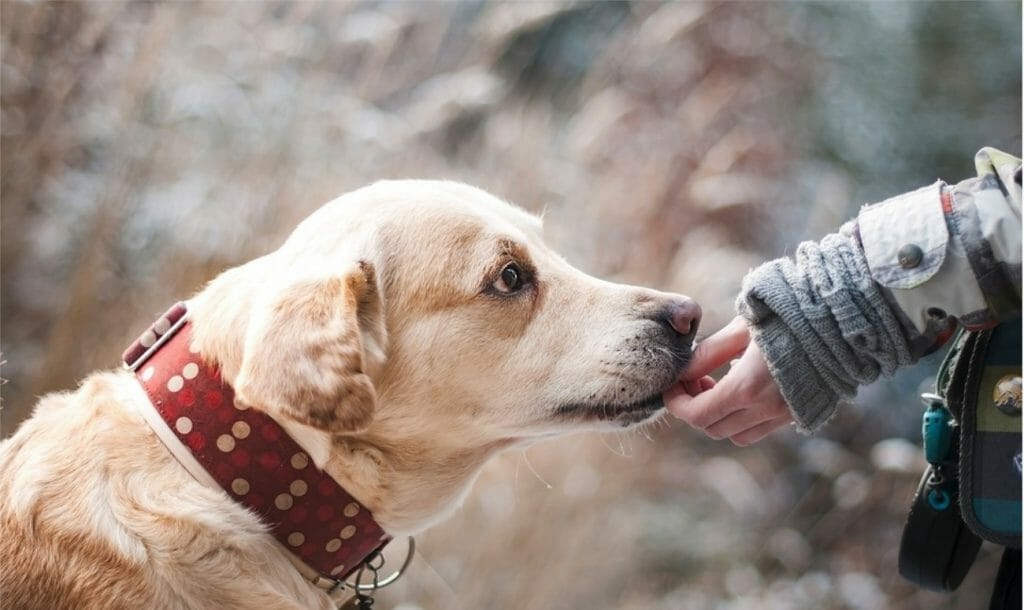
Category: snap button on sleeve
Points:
column 910, row 256
column 905, row 238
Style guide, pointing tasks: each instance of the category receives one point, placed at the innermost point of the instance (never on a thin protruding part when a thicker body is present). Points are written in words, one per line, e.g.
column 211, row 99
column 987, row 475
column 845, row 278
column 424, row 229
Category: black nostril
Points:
column 683, row 316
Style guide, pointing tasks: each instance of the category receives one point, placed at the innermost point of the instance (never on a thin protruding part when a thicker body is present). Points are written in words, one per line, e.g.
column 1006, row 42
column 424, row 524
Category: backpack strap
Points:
column 990, row 436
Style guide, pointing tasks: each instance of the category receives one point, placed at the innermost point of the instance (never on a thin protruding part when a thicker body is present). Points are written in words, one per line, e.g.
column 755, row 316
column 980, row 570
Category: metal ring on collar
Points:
column 390, row 580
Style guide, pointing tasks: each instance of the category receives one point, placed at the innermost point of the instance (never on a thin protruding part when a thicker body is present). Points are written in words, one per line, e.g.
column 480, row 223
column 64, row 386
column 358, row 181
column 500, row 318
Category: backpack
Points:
column 972, row 488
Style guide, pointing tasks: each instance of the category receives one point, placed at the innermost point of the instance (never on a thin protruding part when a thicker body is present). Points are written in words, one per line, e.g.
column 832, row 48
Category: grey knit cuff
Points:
column 823, row 325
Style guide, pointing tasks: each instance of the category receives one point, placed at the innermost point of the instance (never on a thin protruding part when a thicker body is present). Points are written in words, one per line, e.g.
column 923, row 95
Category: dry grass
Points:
column 145, row 147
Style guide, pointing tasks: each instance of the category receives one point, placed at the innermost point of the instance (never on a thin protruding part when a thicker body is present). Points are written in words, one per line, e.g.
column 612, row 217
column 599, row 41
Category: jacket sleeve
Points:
column 952, row 251
column 888, row 287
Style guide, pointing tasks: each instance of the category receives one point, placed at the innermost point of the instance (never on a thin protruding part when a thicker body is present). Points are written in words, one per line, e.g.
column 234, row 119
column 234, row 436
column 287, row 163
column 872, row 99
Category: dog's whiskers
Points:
column 529, row 465
column 621, row 451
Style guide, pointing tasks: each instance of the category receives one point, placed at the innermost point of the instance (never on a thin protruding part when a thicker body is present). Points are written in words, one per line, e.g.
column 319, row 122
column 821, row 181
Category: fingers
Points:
column 728, row 409
column 717, row 349
column 698, row 385
column 688, row 388
column 702, row 410
column 680, row 389
column 745, row 405
column 752, row 435
column 737, row 422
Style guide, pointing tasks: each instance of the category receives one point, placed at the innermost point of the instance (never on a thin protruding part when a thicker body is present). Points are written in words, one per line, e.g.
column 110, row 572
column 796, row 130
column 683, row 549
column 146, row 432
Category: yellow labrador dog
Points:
column 404, row 334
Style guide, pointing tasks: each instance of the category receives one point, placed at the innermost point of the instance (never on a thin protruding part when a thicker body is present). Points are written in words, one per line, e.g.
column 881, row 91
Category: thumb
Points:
column 717, row 349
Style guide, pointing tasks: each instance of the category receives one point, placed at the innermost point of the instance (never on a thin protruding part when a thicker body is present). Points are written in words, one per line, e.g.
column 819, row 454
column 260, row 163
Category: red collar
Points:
column 249, row 455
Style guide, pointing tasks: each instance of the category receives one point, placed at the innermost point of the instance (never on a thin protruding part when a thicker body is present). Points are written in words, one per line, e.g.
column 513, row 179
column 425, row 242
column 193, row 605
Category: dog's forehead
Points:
column 434, row 204
column 412, row 229
column 464, row 225
column 462, row 204
column 426, row 237
column 432, row 214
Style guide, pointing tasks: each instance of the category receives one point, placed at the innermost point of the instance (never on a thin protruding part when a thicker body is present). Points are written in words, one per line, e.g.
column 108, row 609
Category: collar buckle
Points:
column 158, row 333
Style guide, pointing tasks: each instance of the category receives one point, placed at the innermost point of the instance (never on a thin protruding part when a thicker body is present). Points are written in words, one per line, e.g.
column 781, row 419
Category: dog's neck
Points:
column 409, row 483
column 215, row 309
column 227, row 445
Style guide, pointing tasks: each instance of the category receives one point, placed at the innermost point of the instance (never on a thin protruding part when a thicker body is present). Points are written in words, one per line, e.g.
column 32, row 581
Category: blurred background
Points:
column 146, row 147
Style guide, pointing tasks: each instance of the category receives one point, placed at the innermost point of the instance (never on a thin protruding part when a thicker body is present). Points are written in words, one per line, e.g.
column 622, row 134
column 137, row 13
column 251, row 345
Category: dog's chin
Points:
column 631, row 413
column 622, row 415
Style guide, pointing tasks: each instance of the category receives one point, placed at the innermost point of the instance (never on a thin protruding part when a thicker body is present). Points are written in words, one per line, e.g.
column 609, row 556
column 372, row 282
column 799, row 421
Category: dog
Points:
column 402, row 335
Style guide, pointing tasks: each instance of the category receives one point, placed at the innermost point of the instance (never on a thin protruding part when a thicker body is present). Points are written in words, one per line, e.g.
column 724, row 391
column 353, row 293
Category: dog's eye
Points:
column 510, row 280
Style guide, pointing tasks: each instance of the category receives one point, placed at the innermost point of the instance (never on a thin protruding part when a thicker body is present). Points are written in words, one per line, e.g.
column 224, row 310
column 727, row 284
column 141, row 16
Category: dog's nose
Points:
column 683, row 315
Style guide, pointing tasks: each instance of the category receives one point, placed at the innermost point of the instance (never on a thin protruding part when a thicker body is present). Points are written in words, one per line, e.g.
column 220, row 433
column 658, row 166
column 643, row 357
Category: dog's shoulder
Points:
column 95, row 512
column 55, row 500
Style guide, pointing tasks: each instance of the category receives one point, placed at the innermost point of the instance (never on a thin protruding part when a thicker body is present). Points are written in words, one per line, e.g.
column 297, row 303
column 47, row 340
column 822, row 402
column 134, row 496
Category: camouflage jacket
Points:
column 951, row 250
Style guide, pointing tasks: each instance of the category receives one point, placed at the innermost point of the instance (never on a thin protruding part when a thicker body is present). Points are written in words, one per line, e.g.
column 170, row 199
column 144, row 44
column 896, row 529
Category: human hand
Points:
column 745, row 405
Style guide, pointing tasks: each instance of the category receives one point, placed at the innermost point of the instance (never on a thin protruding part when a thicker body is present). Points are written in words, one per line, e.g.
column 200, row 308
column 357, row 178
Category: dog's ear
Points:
column 307, row 351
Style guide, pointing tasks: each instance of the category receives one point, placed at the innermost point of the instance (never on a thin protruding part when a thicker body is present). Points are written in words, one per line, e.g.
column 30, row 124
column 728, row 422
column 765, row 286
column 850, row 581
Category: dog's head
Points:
column 421, row 321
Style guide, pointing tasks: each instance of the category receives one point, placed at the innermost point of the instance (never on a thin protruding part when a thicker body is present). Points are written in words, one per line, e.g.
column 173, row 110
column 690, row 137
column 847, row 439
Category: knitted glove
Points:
column 823, row 325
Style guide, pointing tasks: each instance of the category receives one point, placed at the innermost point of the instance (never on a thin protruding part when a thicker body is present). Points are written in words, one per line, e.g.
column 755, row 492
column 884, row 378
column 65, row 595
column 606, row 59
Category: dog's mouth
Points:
column 625, row 414
column 632, row 411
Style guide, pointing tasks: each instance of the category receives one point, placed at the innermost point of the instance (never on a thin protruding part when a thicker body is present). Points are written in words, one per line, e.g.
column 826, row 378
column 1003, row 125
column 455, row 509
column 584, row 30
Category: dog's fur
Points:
column 381, row 336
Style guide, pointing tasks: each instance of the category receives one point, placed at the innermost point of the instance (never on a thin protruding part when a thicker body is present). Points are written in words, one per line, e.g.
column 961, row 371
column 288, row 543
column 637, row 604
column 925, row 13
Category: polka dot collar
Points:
column 248, row 454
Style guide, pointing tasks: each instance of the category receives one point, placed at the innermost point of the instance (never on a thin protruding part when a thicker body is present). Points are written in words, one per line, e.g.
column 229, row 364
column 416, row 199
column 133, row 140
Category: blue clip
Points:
column 937, row 429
